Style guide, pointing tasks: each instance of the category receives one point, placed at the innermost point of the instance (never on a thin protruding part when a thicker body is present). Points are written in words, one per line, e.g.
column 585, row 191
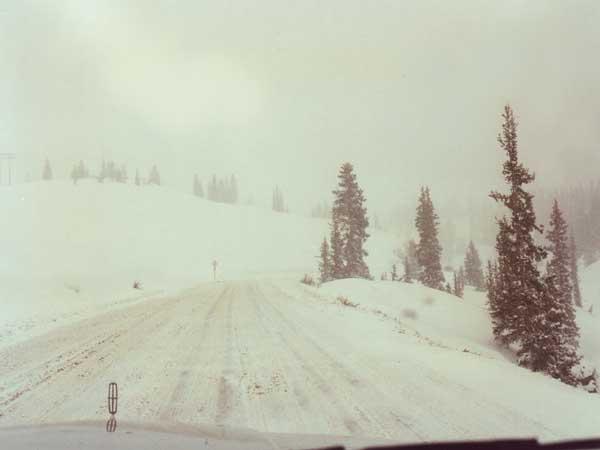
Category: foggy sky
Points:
column 283, row 92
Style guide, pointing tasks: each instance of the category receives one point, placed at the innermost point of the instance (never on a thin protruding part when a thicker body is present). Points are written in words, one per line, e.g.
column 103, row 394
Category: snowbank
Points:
column 444, row 319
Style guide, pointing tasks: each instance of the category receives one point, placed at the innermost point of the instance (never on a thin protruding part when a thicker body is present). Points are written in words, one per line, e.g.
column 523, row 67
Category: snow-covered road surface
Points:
column 274, row 356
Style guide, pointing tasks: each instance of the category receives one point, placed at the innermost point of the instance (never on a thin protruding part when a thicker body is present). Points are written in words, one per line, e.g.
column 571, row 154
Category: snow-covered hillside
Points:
column 66, row 249
column 446, row 321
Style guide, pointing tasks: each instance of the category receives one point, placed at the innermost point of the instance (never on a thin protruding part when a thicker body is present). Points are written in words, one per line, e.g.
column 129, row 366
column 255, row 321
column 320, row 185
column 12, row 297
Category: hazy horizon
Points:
column 282, row 94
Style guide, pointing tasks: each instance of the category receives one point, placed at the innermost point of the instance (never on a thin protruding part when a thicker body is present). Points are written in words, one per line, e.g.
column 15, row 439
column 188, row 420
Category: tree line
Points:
column 109, row 170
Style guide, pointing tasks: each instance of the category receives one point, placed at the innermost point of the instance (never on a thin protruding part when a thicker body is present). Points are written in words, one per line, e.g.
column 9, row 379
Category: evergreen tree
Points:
column 558, row 266
column 411, row 262
column 520, row 293
column 137, row 177
column 350, row 216
column 325, row 268
column 47, row 172
column 121, row 174
column 459, row 283
column 338, row 269
column 561, row 334
column 394, row 273
column 429, row 249
column 473, row 272
column 278, row 203
column 154, row 177
column 574, row 272
column 82, row 171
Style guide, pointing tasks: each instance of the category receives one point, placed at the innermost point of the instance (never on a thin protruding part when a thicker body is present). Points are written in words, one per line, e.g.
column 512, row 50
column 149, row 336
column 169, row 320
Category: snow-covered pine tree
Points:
column 473, row 271
column 121, row 174
column 337, row 260
column 520, row 291
column 411, row 262
column 278, row 203
column 459, row 283
column 461, row 279
column 47, row 172
column 325, row 262
column 574, row 272
column 558, row 266
column 82, row 171
column 154, row 177
column 394, row 272
column 350, row 214
column 560, row 332
column 429, row 249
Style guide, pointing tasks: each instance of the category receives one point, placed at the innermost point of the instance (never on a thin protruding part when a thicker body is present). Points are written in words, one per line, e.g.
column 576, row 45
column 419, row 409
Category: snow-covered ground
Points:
column 67, row 251
column 277, row 356
column 257, row 350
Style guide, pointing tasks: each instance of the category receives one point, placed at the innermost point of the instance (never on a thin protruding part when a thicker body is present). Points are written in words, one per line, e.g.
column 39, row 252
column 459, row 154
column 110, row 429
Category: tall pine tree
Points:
column 349, row 216
column 325, row 262
column 558, row 266
column 473, row 272
column 47, row 172
column 519, row 288
column 561, row 335
column 429, row 250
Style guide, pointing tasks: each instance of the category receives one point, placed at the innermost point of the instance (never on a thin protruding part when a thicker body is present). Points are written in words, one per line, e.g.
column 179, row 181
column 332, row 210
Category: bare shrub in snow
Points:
column 428, row 300
column 308, row 279
column 346, row 302
column 137, row 284
column 409, row 313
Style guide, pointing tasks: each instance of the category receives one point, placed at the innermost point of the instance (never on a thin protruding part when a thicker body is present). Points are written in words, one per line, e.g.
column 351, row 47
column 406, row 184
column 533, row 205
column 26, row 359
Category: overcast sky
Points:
column 282, row 92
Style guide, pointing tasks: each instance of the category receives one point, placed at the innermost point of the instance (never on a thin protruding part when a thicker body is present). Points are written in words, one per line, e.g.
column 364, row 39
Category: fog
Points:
column 283, row 92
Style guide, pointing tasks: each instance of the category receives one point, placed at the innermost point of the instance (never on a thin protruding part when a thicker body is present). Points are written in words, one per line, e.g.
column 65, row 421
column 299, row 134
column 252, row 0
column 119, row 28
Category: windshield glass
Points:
column 362, row 221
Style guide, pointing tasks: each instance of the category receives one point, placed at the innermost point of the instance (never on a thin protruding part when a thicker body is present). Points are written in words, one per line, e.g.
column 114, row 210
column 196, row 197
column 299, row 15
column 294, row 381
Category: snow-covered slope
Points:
column 445, row 320
column 66, row 249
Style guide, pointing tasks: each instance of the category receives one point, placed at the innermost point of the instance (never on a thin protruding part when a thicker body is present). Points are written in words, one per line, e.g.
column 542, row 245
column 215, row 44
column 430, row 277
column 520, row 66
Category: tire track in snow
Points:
column 181, row 394
column 437, row 398
column 70, row 368
column 354, row 385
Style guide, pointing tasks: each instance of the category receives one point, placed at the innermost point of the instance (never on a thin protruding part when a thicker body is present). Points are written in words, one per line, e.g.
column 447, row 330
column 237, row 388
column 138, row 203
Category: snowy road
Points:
column 270, row 356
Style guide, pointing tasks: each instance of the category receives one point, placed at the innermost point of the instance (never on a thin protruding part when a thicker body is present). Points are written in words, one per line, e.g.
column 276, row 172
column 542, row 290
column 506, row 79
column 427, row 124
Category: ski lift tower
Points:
column 6, row 168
